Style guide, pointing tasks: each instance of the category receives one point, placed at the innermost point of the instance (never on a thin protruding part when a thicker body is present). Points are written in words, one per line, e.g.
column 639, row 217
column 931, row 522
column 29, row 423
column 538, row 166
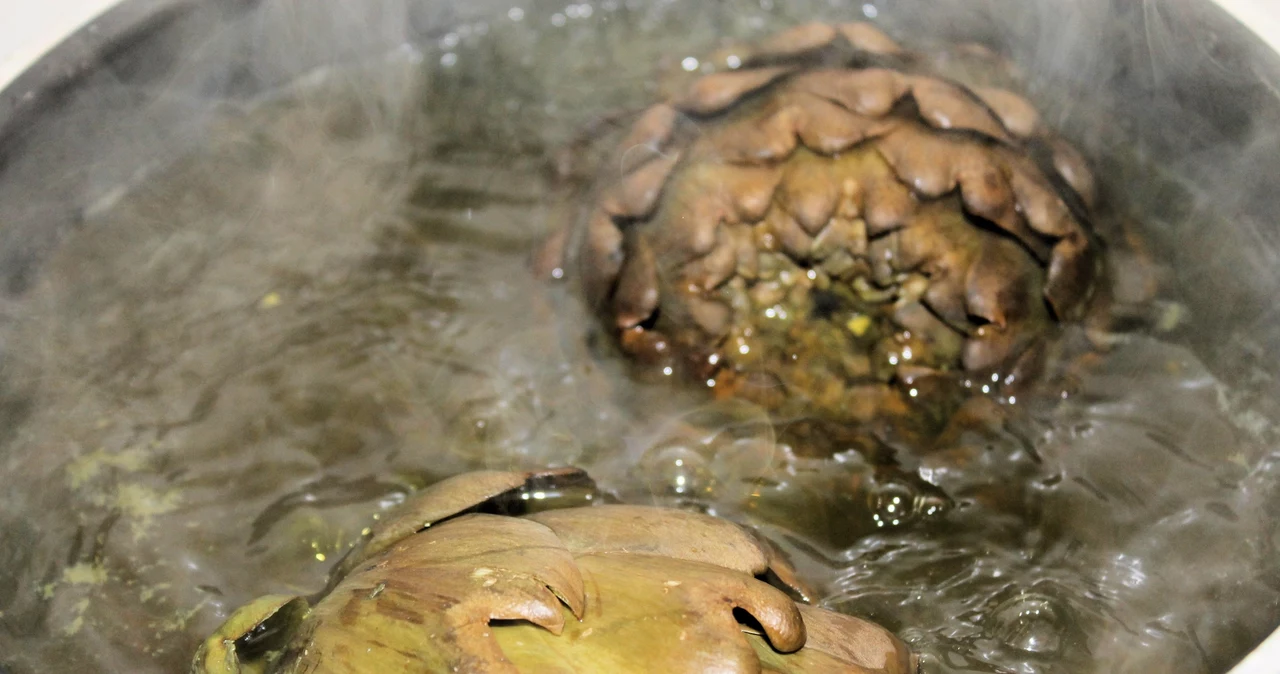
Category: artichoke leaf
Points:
column 441, row 501
column 251, row 624
column 840, row 643
column 673, row 533
column 425, row 604
column 657, row 531
column 657, row 614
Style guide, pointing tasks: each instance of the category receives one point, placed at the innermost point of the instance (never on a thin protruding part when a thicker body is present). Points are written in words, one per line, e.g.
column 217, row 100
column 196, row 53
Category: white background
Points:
column 29, row 28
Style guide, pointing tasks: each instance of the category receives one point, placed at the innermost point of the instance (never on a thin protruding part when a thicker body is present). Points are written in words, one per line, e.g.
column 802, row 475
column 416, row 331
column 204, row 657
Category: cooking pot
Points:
column 1186, row 82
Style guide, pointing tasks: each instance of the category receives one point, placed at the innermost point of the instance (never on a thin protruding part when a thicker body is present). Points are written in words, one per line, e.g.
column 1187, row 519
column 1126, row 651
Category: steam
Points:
column 1175, row 105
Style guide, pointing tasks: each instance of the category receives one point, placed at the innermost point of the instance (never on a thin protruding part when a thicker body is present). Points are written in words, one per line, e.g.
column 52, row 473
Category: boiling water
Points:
column 247, row 353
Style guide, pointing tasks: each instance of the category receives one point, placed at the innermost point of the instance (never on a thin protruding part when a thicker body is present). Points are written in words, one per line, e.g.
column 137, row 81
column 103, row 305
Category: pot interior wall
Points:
column 1193, row 91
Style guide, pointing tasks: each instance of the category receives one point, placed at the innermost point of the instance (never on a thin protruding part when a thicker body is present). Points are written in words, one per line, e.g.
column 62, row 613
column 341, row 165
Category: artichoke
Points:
column 825, row 227
column 451, row 584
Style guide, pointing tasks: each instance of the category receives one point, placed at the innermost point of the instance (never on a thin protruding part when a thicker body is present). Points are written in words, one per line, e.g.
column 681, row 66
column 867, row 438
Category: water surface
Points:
column 246, row 354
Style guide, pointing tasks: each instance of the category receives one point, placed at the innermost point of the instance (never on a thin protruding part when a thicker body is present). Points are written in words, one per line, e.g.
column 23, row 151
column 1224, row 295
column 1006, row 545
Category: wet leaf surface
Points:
column 605, row 588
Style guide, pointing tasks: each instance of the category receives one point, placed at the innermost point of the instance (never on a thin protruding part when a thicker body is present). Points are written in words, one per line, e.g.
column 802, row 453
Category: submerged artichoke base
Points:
column 826, row 228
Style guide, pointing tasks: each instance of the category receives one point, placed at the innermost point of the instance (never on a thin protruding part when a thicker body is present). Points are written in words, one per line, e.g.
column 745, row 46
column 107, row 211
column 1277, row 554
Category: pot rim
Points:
column 1260, row 16
column 50, row 46
column 31, row 32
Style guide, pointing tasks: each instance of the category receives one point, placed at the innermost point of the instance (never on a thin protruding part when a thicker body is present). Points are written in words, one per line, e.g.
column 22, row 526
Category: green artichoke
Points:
column 453, row 585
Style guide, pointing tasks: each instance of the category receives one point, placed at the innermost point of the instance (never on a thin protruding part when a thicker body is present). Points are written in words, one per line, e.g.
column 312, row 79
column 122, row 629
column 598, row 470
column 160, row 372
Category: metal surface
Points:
column 79, row 31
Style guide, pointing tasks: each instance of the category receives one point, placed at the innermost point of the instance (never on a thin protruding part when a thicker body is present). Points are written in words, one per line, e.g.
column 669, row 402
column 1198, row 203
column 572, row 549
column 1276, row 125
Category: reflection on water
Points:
column 241, row 359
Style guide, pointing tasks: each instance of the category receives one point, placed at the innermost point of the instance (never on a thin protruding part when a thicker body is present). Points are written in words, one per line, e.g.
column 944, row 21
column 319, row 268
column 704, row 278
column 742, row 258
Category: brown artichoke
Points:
column 451, row 585
column 825, row 227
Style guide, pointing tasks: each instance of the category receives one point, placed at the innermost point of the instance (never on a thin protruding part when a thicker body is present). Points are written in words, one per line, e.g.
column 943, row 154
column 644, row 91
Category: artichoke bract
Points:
column 823, row 226
column 452, row 584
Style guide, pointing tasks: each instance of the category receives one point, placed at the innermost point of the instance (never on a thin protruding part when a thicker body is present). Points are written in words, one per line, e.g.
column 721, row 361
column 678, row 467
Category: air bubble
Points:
column 892, row 504
column 675, row 470
column 897, row 503
column 1031, row 623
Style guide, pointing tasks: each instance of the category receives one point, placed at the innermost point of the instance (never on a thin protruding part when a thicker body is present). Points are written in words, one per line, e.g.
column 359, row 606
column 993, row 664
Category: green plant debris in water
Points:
column 85, row 468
